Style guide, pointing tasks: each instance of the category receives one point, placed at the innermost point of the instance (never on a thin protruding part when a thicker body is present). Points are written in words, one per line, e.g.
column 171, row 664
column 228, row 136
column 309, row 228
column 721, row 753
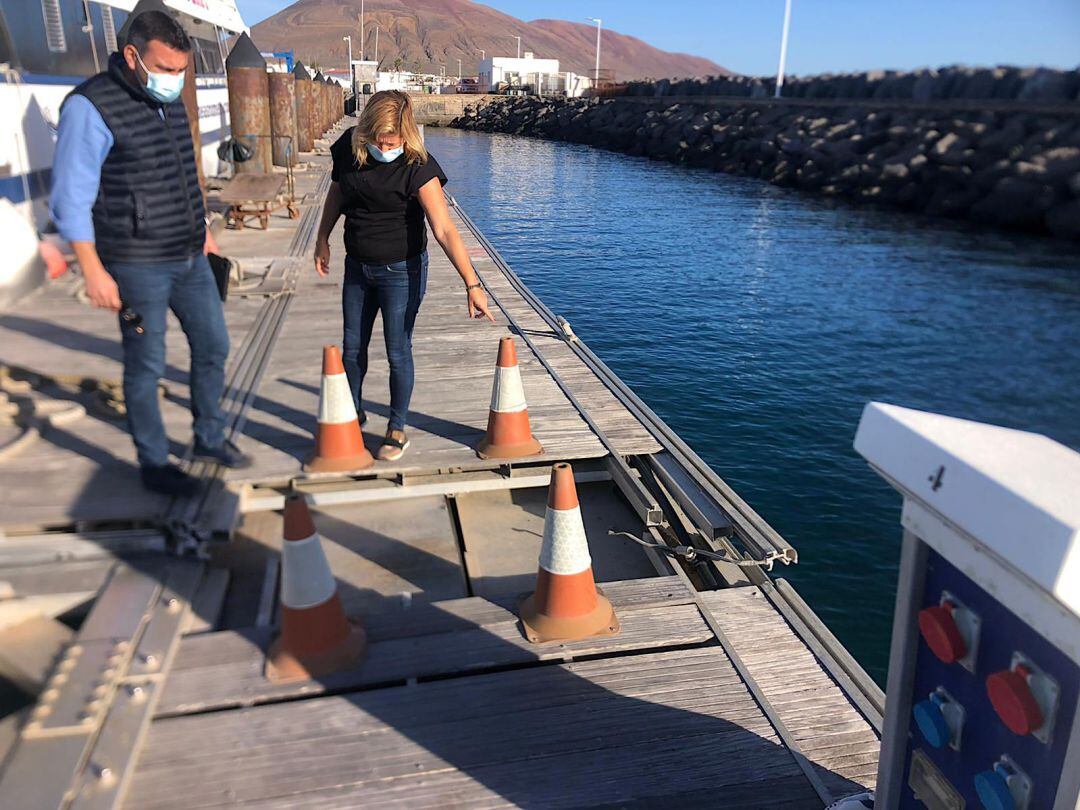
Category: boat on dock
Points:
column 47, row 47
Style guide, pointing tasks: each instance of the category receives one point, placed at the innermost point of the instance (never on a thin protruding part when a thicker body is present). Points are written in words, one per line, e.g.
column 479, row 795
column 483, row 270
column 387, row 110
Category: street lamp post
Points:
column 599, row 23
column 361, row 30
column 352, row 74
column 519, row 46
column 376, row 47
column 459, row 70
column 783, row 47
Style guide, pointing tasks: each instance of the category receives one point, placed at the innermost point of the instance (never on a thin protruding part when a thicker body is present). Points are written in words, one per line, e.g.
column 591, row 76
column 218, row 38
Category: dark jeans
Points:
column 189, row 290
column 396, row 289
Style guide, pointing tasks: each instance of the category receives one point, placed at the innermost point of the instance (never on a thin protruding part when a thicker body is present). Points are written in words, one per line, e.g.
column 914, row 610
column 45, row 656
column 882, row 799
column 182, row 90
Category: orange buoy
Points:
column 339, row 444
column 316, row 636
column 566, row 604
column 509, row 434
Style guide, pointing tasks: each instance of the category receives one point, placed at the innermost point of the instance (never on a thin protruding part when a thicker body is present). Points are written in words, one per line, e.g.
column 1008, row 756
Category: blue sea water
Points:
column 758, row 322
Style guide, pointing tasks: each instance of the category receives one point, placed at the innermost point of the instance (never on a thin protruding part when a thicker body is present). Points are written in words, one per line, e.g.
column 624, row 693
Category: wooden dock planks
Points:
column 600, row 732
column 838, row 740
column 496, row 728
column 221, row 670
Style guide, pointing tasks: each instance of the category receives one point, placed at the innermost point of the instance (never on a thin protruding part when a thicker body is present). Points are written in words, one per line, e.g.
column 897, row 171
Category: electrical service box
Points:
column 981, row 706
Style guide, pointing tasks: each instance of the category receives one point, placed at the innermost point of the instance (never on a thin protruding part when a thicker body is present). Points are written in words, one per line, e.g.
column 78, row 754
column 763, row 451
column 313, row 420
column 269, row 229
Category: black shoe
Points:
column 228, row 455
column 168, row 480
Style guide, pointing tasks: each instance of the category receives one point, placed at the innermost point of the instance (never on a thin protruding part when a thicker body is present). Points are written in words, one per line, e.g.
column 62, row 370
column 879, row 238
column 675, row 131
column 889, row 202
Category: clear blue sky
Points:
column 826, row 35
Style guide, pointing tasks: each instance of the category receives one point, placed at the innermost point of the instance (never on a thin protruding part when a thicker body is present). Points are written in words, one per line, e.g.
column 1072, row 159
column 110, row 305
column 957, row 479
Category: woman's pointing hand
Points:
column 478, row 304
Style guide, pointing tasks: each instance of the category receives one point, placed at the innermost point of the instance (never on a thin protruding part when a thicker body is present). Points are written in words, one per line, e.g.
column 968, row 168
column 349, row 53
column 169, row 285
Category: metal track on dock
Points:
column 185, row 516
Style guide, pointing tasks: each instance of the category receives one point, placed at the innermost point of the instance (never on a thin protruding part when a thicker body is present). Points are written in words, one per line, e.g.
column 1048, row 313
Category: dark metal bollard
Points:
column 283, row 118
column 249, row 104
column 304, row 109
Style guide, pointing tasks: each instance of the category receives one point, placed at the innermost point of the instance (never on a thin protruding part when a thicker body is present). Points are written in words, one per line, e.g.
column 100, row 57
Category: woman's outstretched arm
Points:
column 330, row 213
column 446, row 234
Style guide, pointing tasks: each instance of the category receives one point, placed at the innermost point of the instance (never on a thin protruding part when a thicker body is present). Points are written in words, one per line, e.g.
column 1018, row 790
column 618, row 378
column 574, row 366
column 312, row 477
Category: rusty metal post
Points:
column 329, row 103
column 328, row 93
column 324, row 105
column 304, row 101
column 249, row 104
column 323, row 113
column 283, row 118
column 320, row 107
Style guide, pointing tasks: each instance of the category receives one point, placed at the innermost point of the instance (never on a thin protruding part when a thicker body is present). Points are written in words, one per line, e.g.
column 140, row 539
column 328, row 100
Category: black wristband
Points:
column 473, row 286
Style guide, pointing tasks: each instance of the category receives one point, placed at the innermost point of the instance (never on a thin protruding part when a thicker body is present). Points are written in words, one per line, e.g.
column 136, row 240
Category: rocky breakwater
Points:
column 1014, row 169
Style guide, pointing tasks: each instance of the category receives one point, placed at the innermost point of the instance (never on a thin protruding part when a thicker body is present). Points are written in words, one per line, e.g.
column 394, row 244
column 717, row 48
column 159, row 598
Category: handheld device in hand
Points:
column 131, row 318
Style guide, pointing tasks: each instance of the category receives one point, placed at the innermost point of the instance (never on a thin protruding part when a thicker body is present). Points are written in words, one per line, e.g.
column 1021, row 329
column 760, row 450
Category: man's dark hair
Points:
column 160, row 26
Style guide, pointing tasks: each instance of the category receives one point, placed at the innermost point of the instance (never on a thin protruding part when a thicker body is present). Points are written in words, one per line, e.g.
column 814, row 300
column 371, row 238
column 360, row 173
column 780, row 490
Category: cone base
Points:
column 284, row 667
column 540, row 628
column 360, row 461
column 488, row 450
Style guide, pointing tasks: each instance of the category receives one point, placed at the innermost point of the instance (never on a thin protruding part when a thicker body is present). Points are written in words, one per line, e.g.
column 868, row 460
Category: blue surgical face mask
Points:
column 165, row 87
column 385, row 157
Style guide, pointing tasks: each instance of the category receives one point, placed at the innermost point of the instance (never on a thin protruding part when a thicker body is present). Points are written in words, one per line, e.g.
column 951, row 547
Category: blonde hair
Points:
column 388, row 112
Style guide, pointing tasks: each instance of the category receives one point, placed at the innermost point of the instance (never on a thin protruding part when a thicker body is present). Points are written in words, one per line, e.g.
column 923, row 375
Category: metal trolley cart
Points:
column 257, row 196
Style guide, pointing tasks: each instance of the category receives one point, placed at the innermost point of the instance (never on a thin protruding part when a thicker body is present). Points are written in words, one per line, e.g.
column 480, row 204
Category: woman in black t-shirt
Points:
column 385, row 182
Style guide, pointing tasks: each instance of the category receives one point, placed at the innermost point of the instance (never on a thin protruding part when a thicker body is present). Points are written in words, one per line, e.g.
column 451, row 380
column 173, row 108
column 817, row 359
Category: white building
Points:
column 394, row 80
column 528, row 71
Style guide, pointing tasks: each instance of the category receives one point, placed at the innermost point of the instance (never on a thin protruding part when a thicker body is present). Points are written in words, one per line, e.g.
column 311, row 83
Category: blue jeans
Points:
column 396, row 289
column 189, row 290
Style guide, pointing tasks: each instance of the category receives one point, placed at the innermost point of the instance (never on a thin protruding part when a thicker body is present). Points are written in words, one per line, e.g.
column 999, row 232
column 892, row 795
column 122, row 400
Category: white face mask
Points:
column 385, row 157
column 165, row 87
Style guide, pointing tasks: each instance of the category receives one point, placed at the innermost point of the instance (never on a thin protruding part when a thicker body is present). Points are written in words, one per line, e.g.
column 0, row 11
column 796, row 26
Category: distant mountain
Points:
column 439, row 32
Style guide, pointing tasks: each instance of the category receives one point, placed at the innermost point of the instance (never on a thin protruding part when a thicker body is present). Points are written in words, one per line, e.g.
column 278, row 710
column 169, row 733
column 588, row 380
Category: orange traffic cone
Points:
column 508, row 432
column 565, row 605
column 316, row 637
column 339, row 444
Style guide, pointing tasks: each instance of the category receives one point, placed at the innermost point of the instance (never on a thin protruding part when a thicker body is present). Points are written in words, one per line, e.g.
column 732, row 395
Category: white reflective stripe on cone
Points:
column 565, row 549
column 306, row 580
column 507, row 394
column 335, row 400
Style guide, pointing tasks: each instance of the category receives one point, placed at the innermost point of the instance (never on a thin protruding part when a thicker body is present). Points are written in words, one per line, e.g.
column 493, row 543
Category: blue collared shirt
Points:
column 83, row 142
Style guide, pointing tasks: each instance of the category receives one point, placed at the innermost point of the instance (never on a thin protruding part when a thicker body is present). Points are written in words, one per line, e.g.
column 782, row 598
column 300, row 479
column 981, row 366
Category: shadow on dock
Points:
column 453, row 708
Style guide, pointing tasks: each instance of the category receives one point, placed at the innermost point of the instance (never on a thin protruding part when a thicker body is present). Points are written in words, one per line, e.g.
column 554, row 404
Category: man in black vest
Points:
column 126, row 195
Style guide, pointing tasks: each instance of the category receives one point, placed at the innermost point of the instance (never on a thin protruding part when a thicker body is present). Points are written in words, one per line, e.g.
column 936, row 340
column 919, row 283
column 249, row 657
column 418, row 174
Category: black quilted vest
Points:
column 149, row 207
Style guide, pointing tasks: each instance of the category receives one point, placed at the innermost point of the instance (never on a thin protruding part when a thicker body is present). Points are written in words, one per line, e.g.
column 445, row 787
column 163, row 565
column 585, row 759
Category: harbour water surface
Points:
column 758, row 322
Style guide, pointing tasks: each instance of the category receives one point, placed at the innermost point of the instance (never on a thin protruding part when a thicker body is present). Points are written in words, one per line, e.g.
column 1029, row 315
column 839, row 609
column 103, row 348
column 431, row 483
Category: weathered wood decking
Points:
column 452, row 706
column 651, row 725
